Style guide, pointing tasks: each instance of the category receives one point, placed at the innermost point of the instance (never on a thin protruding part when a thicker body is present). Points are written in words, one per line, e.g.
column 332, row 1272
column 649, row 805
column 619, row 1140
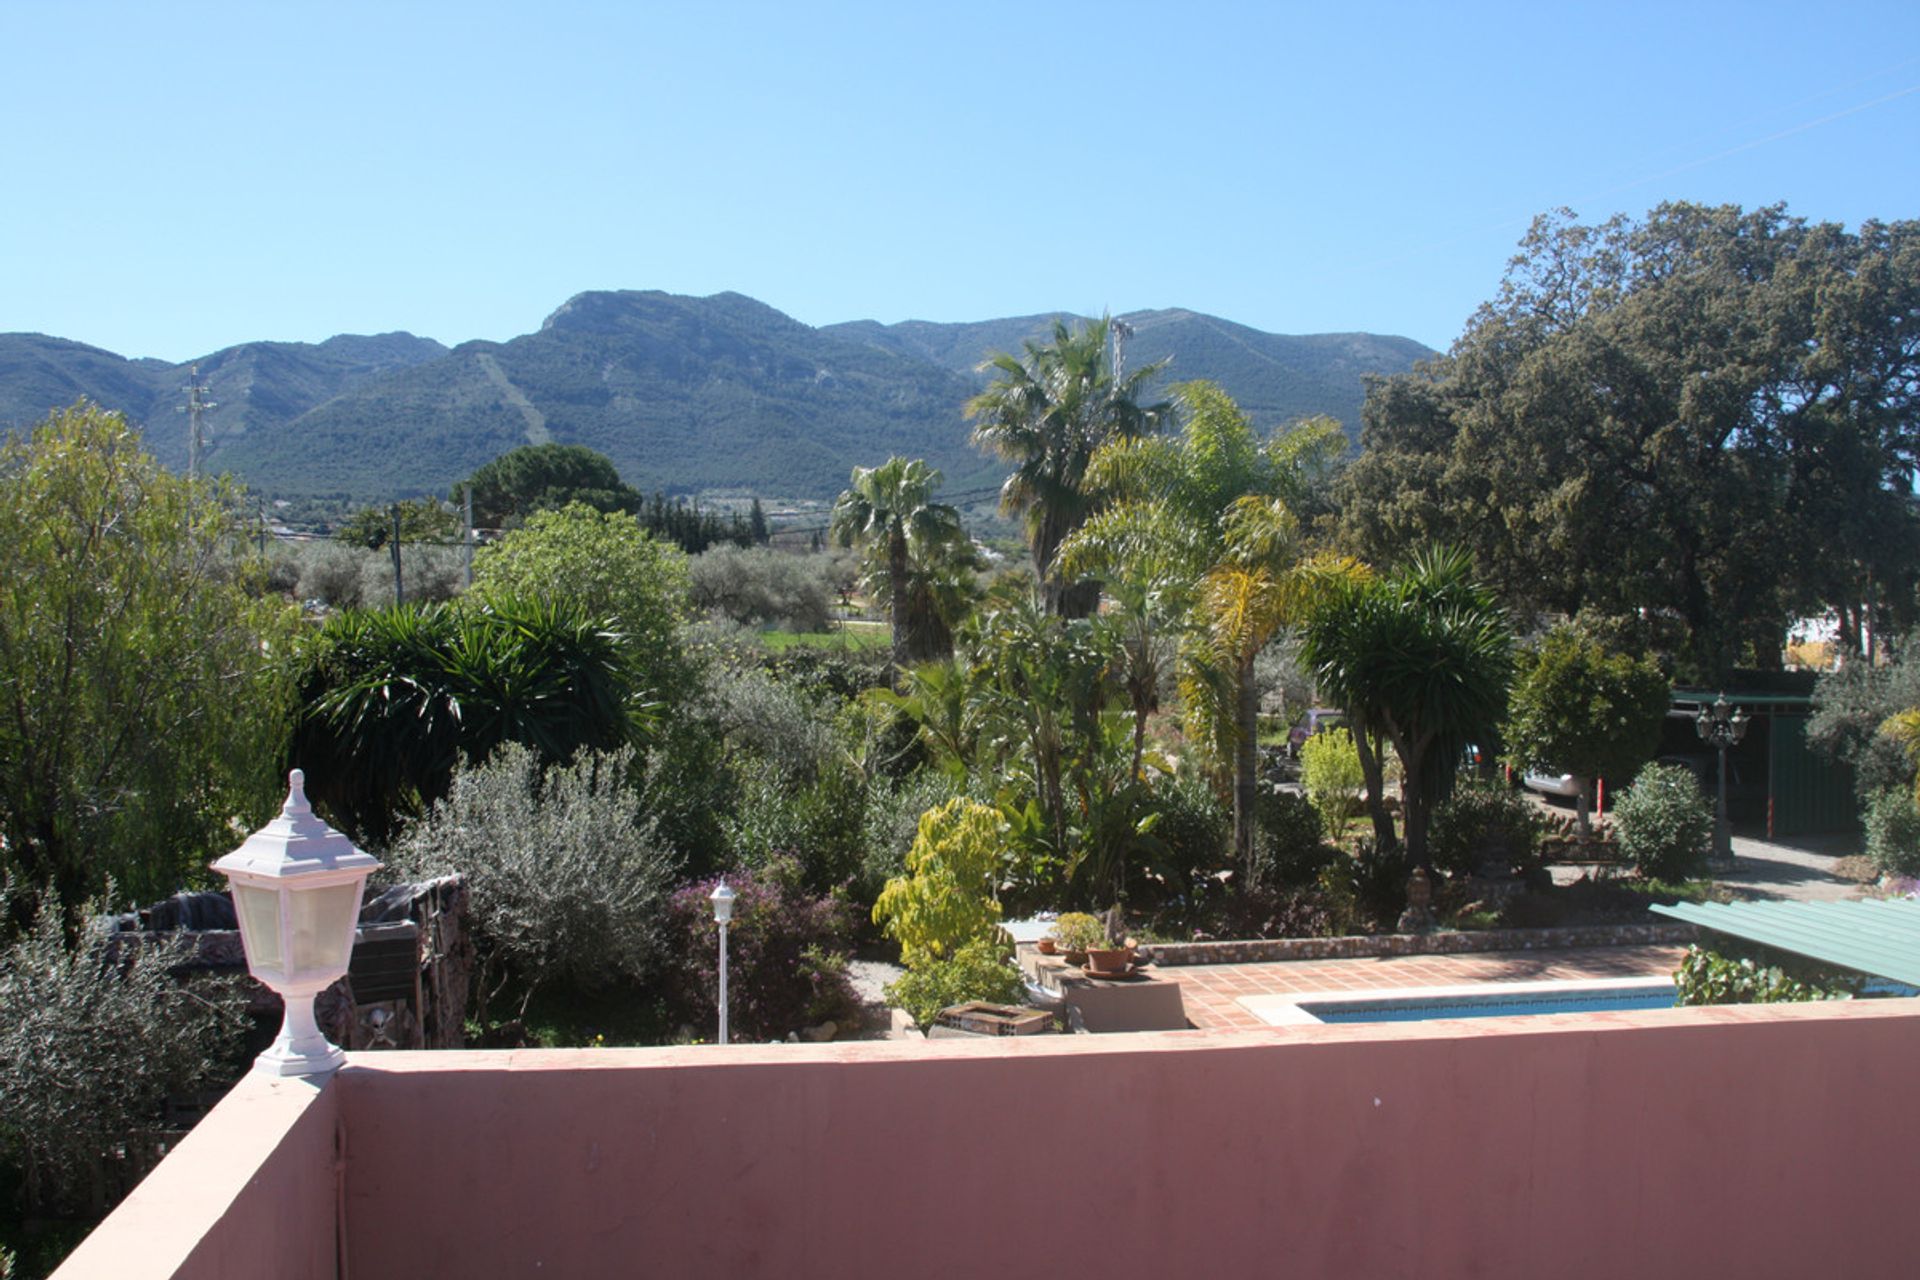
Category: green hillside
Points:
column 257, row 386
column 684, row 394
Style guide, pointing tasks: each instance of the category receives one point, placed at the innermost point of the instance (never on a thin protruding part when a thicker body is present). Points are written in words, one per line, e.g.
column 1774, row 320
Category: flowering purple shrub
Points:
column 786, row 955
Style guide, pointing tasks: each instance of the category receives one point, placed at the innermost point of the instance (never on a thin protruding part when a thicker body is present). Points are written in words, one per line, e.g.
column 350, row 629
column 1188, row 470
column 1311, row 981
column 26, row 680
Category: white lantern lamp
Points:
column 297, row 885
column 722, row 899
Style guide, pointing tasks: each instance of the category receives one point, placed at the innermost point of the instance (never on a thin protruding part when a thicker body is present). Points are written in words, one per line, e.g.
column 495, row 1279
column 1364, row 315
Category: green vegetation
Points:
column 911, row 541
column 395, row 700
column 1578, row 709
column 1600, row 435
column 93, row 1041
column 144, row 685
column 1420, row 661
column 421, row 520
column 947, row 899
column 847, row 635
column 1665, row 823
column 568, row 880
column 607, row 565
column 1739, row 974
column 637, row 697
column 1331, row 775
column 1046, row 413
column 542, row 477
column 977, row 971
column 1893, row 832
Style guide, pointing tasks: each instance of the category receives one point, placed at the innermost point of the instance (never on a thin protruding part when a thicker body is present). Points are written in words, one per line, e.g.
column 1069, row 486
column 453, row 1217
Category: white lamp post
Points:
column 722, row 899
column 296, row 890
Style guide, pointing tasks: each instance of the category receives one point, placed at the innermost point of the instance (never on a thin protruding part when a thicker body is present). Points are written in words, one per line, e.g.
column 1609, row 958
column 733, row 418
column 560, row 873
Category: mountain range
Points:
column 684, row 394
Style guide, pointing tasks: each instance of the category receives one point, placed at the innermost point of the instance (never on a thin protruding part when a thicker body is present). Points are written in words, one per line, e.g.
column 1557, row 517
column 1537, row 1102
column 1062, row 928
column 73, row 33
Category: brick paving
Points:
column 1210, row 991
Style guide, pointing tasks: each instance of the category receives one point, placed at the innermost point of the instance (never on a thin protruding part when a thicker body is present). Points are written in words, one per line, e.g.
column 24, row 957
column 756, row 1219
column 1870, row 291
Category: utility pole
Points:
column 263, row 528
column 466, row 502
column 197, row 405
column 1121, row 332
column 399, row 589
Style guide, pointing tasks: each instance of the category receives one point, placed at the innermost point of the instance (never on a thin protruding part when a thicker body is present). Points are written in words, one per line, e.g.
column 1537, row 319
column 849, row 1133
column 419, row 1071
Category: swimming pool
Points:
column 1479, row 1000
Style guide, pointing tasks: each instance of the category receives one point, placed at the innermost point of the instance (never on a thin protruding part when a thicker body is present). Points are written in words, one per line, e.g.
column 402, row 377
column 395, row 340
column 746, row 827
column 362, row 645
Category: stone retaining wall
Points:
column 1273, row 950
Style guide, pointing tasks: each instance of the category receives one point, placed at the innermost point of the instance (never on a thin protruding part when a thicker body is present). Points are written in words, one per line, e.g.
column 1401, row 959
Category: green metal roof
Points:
column 1750, row 701
column 1879, row 938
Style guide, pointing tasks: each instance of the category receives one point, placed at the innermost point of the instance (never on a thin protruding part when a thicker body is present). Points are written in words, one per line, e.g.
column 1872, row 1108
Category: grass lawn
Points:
column 849, row 635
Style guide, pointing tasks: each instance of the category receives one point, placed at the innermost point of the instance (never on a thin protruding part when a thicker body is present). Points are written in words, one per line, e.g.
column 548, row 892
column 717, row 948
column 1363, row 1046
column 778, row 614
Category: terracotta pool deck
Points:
column 1211, row 991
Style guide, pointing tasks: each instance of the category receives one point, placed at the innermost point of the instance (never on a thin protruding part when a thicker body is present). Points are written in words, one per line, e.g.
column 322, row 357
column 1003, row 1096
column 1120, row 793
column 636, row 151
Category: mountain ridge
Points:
column 685, row 394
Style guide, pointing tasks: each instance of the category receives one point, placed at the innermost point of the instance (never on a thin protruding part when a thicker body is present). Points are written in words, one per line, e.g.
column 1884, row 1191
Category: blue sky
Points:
column 180, row 177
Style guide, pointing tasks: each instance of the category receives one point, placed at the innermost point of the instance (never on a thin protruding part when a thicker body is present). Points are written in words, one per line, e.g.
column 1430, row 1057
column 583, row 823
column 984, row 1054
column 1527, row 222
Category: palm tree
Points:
column 1262, row 584
column 1420, row 660
column 1211, row 506
column 889, row 509
column 1047, row 414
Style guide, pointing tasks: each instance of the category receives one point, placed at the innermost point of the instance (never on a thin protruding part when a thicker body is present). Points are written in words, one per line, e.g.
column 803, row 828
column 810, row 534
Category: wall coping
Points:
column 1448, row 942
column 157, row 1229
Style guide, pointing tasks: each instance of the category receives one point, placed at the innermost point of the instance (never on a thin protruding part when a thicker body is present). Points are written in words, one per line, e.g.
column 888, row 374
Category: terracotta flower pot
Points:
column 1075, row 958
column 1109, row 959
column 1047, row 946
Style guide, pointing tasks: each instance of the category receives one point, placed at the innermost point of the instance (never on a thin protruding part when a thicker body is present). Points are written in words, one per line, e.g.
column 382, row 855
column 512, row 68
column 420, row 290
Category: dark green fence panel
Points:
column 1811, row 795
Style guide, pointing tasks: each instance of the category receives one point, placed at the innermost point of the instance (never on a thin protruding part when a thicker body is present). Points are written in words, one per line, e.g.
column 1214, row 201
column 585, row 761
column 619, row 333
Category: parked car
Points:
column 1316, row 720
column 1564, row 785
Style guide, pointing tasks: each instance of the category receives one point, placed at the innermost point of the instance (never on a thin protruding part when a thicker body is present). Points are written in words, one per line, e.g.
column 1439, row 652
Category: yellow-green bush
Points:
column 946, row 899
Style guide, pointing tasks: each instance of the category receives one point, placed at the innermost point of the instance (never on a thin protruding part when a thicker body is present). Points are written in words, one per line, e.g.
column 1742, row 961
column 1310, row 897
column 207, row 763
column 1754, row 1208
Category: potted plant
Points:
column 1110, row 960
column 1076, row 932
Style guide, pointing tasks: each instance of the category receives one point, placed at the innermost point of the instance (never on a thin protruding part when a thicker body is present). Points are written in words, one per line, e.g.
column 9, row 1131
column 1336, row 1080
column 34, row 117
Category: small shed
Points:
column 1775, row 778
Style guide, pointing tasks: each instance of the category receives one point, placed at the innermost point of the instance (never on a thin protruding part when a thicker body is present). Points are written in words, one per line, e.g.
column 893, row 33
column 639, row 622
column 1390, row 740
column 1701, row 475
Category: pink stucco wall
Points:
column 1687, row 1143
column 251, row 1192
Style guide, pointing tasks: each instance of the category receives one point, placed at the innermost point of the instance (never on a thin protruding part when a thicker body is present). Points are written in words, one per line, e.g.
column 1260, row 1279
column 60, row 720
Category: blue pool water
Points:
column 1490, row 1005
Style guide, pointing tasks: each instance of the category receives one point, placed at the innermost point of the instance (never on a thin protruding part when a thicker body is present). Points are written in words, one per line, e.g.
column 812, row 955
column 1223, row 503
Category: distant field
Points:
column 851, row 635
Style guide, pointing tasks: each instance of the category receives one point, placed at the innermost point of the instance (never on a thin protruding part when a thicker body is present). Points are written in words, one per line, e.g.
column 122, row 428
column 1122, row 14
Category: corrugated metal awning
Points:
column 1879, row 938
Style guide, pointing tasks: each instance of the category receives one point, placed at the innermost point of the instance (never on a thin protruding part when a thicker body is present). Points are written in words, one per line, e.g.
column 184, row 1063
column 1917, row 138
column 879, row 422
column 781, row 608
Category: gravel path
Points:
column 1800, row 872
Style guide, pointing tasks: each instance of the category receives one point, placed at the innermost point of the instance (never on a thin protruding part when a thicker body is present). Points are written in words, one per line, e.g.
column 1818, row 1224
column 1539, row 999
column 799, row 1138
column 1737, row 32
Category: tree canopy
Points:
column 889, row 510
column 144, row 689
column 1578, row 709
column 1708, row 414
column 605, row 565
column 1046, row 413
column 1420, row 660
column 537, row 477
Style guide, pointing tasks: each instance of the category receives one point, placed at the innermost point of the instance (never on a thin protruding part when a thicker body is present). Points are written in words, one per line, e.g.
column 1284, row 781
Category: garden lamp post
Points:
column 1720, row 727
column 297, row 885
column 722, row 899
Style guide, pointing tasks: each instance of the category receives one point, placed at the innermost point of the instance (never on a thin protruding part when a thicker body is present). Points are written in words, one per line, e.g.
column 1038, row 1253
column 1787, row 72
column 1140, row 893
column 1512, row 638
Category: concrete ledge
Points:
column 1269, row 950
column 252, row 1191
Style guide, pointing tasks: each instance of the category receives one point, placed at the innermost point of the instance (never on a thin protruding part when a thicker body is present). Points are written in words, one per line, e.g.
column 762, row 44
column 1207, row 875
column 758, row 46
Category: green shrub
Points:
column 1193, row 831
column 977, row 971
column 1367, row 892
column 819, row 822
column 1293, row 847
column 566, row 879
column 1483, row 822
column 890, row 820
column 1330, row 772
column 92, row 1044
column 786, row 955
column 947, row 898
column 1664, row 823
column 1754, row 975
column 1893, row 832
column 1079, row 931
